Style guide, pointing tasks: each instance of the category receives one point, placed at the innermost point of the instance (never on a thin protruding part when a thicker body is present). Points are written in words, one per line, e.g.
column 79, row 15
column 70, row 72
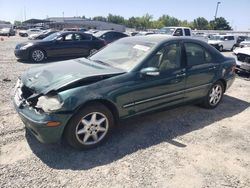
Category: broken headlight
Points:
column 49, row 103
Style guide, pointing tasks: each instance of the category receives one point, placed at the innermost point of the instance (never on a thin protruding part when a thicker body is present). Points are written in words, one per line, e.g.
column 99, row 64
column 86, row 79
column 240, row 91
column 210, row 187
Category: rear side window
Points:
column 187, row 32
column 196, row 54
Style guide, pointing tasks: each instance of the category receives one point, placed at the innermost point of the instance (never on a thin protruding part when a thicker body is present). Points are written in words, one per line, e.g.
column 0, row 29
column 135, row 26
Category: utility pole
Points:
column 217, row 6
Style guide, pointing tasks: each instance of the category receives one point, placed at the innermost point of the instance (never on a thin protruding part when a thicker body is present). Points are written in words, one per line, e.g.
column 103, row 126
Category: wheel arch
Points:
column 107, row 103
column 40, row 48
column 223, row 81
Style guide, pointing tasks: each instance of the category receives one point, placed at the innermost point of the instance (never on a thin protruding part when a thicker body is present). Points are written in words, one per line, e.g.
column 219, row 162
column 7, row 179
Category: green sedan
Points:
column 82, row 100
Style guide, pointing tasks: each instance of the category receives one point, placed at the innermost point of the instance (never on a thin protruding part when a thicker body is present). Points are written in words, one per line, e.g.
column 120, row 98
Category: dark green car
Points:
column 82, row 100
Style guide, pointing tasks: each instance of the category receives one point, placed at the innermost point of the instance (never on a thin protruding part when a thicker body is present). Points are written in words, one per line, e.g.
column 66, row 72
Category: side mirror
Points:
column 150, row 71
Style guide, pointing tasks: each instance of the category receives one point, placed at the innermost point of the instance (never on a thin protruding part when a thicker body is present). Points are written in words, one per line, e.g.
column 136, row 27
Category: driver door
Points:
column 164, row 89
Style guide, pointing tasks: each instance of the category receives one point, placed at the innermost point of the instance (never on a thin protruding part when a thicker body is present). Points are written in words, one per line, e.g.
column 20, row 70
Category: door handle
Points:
column 180, row 75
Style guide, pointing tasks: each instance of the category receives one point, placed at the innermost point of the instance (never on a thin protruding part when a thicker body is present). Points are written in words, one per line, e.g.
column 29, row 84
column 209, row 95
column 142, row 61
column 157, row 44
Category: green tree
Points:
column 145, row 21
column 167, row 20
column 200, row 23
column 17, row 23
column 220, row 24
column 100, row 18
column 115, row 19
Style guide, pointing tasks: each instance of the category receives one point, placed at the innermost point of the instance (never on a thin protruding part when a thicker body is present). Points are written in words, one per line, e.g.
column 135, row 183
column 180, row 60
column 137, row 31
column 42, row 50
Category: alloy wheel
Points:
column 215, row 95
column 37, row 55
column 92, row 128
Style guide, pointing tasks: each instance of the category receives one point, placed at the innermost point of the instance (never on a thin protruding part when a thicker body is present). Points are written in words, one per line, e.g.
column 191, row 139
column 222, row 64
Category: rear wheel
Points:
column 214, row 96
column 89, row 127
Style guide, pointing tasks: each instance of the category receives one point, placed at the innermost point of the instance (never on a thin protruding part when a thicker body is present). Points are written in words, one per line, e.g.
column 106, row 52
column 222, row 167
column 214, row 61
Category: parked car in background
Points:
column 75, row 29
column 43, row 35
column 223, row 42
column 245, row 43
column 26, row 33
column 91, row 31
column 143, row 33
column 243, row 57
column 240, row 39
column 7, row 32
column 82, row 100
column 181, row 31
column 60, row 44
column 109, row 36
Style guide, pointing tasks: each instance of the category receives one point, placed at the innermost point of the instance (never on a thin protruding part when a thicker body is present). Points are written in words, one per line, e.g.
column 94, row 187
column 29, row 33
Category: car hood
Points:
column 214, row 41
column 45, row 79
column 245, row 42
column 245, row 50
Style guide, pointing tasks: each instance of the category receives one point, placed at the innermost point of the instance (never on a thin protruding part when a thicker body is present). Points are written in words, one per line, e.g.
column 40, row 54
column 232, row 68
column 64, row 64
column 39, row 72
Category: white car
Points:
column 245, row 43
column 26, row 33
column 223, row 42
column 243, row 59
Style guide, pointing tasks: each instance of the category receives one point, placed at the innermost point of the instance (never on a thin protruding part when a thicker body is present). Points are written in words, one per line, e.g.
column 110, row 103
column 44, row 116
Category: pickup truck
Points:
column 181, row 31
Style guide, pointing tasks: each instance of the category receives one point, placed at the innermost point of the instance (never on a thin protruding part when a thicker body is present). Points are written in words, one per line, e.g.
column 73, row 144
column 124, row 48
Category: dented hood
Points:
column 56, row 75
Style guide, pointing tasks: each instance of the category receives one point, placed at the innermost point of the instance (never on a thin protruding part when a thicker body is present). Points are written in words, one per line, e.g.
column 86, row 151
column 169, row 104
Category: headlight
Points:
column 26, row 46
column 49, row 104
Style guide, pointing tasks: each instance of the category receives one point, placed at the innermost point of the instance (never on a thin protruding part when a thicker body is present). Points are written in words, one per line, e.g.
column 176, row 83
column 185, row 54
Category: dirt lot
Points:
column 183, row 147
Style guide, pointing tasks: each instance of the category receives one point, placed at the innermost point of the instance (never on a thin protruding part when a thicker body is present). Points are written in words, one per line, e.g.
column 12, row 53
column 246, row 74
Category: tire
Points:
column 214, row 96
column 90, row 127
column 25, row 35
column 37, row 55
column 233, row 48
column 220, row 48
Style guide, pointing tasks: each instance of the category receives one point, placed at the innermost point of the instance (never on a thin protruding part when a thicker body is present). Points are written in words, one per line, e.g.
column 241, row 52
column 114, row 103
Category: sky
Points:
column 236, row 12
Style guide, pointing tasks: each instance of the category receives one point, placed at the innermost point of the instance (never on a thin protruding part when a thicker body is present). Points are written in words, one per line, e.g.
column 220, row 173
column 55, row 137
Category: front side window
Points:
column 167, row 58
column 178, row 32
column 68, row 37
column 196, row 54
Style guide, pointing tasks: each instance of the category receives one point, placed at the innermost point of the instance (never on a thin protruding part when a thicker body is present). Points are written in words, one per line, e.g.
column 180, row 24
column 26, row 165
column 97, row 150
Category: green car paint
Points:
column 126, row 93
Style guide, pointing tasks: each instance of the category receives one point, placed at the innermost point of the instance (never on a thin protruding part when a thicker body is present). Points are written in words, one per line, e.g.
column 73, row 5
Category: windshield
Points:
column 167, row 30
column 123, row 54
column 52, row 36
column 99, row 33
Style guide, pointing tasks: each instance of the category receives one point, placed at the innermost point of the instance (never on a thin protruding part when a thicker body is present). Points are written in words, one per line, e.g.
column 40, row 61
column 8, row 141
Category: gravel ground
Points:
column 184, row 147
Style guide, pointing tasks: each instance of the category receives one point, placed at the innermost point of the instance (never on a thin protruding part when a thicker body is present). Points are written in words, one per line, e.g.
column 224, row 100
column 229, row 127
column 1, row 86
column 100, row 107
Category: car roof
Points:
column 74, row 32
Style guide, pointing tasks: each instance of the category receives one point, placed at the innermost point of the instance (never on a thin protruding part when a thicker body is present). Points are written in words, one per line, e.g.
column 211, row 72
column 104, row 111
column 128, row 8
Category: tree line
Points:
column 147, row 22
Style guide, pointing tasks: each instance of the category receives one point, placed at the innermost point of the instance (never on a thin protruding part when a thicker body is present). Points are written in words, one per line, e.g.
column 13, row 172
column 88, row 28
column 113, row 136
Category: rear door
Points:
column 201, row 70
column 83, row 44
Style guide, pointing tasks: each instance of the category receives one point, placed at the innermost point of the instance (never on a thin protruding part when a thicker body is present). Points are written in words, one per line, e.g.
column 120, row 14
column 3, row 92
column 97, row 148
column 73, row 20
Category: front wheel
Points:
column 233, row 48
column 89, row 127
column 220, row 48
column 214, row 95
column 37, row 55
